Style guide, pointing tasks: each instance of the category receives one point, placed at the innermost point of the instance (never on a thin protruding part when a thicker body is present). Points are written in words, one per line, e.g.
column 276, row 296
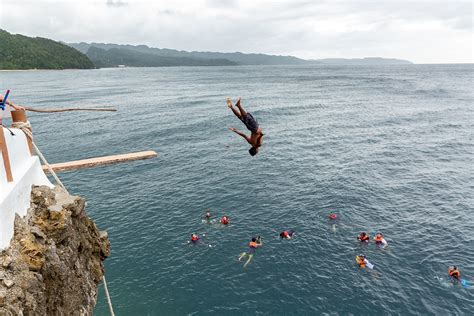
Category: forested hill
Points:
column 22, row 52
column 110, row 55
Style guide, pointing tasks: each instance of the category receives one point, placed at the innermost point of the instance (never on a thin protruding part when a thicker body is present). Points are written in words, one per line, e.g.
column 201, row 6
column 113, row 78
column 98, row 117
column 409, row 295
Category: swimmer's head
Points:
column 253, row 151
column 361, row 256
column 254, row 239
column 363, row 234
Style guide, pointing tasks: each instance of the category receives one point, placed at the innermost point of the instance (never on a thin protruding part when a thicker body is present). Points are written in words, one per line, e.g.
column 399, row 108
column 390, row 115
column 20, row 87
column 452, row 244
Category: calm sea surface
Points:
column 388, row 149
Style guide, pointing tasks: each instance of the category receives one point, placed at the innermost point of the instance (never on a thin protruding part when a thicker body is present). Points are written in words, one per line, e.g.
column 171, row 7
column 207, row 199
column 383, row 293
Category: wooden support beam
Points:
column 6, row 157
column 101, row 161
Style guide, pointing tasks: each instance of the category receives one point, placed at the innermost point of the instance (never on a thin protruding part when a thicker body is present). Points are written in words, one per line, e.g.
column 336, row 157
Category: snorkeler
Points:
column 225, row 220
column 363, row 237
column 363, row 262
column 379, row 240
column 254, row 244
column 287, row 234
column 454, row 273
column 249, row 121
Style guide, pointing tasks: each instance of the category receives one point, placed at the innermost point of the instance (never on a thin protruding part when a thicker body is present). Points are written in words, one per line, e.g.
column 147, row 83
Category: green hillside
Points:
column 22, row 52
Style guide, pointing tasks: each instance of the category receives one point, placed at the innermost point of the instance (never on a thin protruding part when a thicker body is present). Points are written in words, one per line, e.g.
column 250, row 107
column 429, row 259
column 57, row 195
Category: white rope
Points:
column 25, row 127
column 108, row 296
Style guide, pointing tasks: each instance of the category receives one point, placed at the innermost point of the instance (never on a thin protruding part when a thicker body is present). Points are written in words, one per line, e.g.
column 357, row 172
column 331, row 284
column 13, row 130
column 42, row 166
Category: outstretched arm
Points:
column 240, row 133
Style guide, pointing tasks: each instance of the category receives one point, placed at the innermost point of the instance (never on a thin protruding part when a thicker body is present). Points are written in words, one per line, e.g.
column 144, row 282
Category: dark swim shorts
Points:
column 250, row 123
column 251, row 250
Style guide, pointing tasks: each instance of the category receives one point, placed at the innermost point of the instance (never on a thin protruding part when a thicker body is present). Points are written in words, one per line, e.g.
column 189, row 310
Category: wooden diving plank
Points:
column 101, row 161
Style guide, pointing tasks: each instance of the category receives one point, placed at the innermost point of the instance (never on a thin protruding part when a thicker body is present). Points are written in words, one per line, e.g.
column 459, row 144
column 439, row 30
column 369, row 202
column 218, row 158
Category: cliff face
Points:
column 54, row 263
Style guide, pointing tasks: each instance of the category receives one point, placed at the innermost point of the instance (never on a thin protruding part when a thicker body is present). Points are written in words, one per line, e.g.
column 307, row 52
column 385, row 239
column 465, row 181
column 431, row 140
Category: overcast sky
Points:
column 421, row 31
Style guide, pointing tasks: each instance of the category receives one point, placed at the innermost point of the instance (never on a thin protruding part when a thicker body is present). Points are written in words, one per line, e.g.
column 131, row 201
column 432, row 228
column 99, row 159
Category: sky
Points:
column 421, row 31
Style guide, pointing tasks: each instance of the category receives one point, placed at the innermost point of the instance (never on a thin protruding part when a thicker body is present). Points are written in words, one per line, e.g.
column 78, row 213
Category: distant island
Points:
column 23, row 52
column 114, row 55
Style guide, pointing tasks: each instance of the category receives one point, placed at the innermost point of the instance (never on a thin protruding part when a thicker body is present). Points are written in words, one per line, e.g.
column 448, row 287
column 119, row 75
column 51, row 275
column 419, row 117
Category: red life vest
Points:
column 364, row 238
column 455, row 273
column 225, row 220
column 194, row 238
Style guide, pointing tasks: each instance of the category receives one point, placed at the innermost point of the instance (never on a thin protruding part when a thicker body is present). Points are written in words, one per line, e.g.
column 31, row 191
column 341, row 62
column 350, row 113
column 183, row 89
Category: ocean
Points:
column 387, row 148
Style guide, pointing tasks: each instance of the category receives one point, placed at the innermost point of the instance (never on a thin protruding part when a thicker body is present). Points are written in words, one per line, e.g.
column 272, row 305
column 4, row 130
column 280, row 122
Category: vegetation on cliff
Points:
column 22, row 52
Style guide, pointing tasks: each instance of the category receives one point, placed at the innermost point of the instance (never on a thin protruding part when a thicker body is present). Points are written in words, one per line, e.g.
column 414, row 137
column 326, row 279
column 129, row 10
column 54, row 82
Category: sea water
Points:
column 387, row 148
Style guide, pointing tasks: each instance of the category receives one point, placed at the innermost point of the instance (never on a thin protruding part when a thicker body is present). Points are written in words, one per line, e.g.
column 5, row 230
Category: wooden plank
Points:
column 6, row 157
column 101, row 161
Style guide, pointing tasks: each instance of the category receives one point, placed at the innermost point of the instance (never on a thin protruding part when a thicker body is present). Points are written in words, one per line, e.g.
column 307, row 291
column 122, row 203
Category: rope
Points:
column 25, row 127
column 108, row 296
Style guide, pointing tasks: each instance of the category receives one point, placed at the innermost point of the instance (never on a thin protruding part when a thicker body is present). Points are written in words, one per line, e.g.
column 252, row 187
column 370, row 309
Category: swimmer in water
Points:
column 380, row 241
column 332, row 216
column 454, row 273
column 253, row 245
column 225, row 220
column 207, row 217
column 287, row 234
column 363, row 237
column 194, row 238
column 363, row 262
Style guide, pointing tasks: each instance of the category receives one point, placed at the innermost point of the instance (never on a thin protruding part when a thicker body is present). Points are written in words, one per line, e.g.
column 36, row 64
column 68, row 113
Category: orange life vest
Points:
column 364, row 238
column 360, row 262
column 378, row 239
column 253, row 244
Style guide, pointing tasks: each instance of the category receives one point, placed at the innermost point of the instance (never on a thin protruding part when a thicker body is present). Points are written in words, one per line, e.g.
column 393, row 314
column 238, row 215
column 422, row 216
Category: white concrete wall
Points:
column 15, row 196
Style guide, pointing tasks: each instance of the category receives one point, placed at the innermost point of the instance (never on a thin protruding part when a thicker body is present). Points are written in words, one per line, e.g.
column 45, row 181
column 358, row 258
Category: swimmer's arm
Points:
column 240, row 133
column 384, row 243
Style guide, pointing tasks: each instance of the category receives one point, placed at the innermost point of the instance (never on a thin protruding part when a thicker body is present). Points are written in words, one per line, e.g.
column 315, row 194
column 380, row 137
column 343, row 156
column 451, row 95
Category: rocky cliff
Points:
column 55, row 260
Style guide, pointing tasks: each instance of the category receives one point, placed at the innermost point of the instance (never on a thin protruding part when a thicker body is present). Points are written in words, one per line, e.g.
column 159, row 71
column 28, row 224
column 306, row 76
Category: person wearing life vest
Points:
column 361, row 261
column 379, row 240
column 333, row 216
column 253, row 245
column 363, row 237
column 194, row 238
column 287, row 234
column 454, row 272
column 225, row 220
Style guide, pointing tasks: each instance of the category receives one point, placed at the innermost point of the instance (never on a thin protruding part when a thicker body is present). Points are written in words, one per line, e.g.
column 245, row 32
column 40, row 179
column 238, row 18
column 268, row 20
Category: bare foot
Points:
column 229, row 102
column 233, row 129
column 237, row 103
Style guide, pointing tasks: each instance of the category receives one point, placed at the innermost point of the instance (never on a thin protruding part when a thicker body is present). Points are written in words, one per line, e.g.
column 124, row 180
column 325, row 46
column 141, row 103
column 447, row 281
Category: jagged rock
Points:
column 6, row 262
column 54, row 263
column 8, row 283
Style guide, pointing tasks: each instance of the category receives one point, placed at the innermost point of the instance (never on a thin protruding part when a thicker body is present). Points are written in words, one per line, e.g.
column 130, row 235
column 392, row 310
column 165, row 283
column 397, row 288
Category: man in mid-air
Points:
column 256, row 138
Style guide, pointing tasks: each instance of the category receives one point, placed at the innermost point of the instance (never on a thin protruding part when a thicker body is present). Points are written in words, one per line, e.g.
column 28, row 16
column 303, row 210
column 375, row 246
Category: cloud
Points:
column 421, row 31
column 116, row 3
